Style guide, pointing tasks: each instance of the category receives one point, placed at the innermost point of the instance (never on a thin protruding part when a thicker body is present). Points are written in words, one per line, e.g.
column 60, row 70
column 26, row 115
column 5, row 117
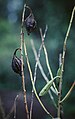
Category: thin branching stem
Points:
column 60, row 88
column 31, row 77
column 31, row 106
column 35, row 71
column 47, row 61
column 15, row 106
column 13, row 109
column 40, row 66
column 42, row 72
column 66, row 37
column 62, row 60
column 23, row 77
column 69, row 92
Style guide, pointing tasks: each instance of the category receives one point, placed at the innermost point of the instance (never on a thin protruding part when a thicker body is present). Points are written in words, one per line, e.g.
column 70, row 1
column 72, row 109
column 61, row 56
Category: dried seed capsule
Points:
column 30, row 22
column 16, row 63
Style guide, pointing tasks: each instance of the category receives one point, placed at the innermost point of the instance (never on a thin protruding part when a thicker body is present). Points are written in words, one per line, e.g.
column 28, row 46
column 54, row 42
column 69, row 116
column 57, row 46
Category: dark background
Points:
column 56, row 14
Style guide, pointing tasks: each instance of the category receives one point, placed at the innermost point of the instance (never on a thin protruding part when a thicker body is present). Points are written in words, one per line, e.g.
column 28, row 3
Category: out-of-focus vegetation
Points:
column 56, row 14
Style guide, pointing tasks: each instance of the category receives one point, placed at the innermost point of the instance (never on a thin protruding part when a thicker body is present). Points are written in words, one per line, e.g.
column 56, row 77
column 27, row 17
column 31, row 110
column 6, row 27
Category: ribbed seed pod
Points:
column 16, row 63
column 30, row 22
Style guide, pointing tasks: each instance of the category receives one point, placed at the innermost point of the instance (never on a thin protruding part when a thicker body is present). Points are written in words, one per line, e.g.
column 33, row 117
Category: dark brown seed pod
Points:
column 16, row 63
column 30, row 22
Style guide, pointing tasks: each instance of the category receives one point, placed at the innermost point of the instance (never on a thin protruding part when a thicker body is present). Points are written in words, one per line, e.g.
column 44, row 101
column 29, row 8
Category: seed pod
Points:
column 30, row 22
column 16, row 63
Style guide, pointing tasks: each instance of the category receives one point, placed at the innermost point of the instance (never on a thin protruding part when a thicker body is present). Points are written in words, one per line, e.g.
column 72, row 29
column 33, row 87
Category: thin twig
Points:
column 15, row 106
column 23, row 77
column 69, row 92
column 40, row 66
column 66, row 37
column 47, row 61
column 35, row 79
column 31, row 77
column 60, row 88
column 63, row 58
column 13, row 109
column 35, row 71
column 43, row 73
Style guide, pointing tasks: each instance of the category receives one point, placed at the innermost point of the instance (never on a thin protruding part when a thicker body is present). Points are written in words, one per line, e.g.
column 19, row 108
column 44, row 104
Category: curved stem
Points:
column 32, row 81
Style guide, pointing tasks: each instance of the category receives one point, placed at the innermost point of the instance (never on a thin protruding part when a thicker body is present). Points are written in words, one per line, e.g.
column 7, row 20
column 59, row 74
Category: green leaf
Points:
column 47, row 87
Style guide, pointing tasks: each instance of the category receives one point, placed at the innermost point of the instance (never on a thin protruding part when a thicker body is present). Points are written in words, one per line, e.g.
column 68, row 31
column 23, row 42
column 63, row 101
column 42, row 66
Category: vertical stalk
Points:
column 42, row 72
column 62, row 61
column 60, row 88
column 66, row 37
column 47, row 60
column 23, row 78
column 32, row 81
column 35, row 72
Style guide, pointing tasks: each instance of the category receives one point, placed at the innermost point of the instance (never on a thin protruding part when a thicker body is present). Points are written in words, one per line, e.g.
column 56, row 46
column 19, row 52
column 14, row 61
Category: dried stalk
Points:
column 31, row 77
column 23, row 78
column 63, row 58
column 40, row 66
column 13, row 109
column 15, row 106
column 66, row 37
column 60, row 89
column 35, row 79
column 47, row 61
column 35, row 71
column 69, row 92
column 43, row 73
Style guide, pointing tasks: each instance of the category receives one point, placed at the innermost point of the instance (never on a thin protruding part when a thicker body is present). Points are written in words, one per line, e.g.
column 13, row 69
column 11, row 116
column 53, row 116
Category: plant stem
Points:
column 66, row 37
column 32, row 81
column 23, row 78
column 69, row 92
column 60, row 89
column 35, row 71
column 62, row 61
column 42, row 72
column 47, row 60
column 13, row 109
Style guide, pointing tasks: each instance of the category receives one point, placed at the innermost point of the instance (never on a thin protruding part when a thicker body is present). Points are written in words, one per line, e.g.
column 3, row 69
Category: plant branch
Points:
column 60, row 88
column 62, row 61
column 31, row 77
column 35, row 71
column 43, row 73
column 47, row 61
column 66, row 37
column 69, row 92
column 23, row 78
column 13, row 109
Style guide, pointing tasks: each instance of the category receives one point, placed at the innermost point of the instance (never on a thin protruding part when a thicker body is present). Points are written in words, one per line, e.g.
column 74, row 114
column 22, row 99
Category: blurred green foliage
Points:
column 56, row 14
